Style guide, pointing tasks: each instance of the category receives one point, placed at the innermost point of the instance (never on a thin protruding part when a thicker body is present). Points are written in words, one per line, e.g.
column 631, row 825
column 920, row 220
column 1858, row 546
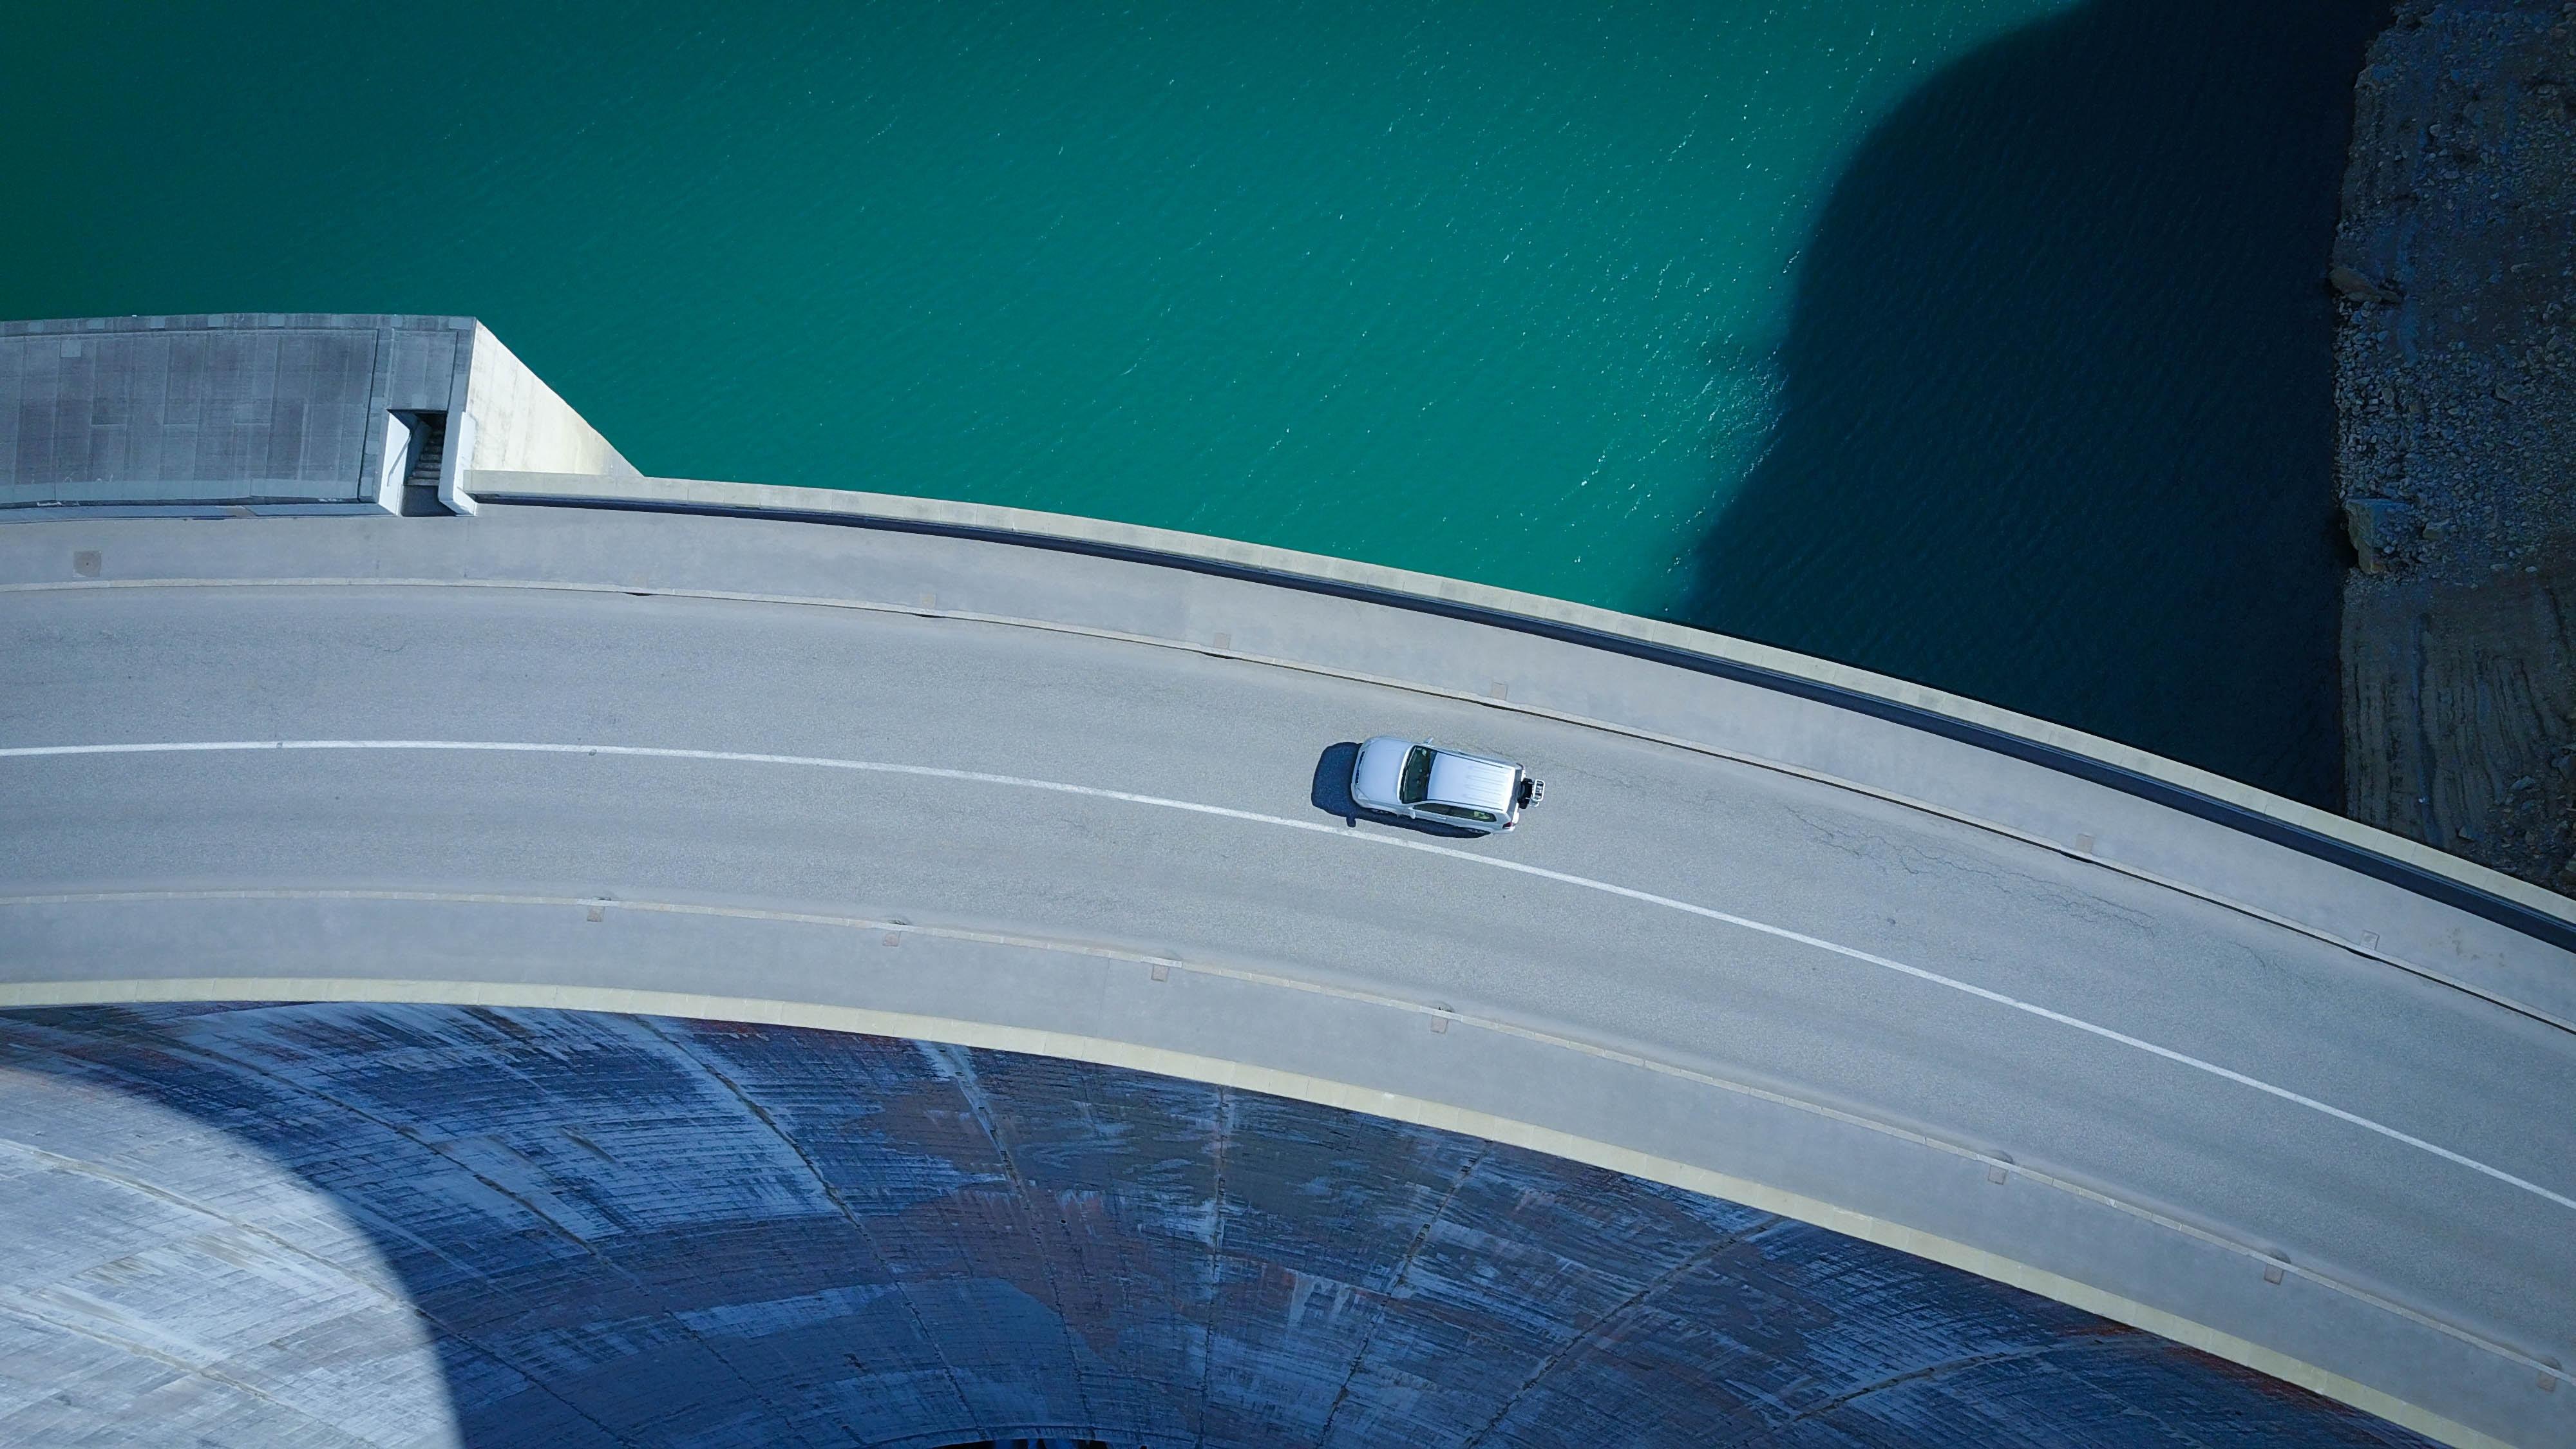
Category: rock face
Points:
column 2455, row 269
column 2384, row 533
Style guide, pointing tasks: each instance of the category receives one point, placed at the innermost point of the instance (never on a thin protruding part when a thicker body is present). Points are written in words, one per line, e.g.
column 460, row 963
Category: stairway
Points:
column 429, row 456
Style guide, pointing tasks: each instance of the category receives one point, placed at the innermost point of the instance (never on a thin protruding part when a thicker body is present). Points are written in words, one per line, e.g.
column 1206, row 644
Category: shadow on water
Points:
column 2056, row 425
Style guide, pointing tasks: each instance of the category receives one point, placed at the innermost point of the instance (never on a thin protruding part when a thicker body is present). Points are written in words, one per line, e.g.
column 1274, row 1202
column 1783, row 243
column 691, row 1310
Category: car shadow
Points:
column 1332, row 795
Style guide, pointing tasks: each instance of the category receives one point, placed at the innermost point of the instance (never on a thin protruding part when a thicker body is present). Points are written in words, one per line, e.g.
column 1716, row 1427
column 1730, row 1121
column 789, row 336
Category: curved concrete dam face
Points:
column 404, row 1224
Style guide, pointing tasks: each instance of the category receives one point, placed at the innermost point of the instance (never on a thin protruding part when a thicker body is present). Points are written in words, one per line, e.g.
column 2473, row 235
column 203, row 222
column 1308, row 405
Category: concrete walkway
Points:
column 1815, row 959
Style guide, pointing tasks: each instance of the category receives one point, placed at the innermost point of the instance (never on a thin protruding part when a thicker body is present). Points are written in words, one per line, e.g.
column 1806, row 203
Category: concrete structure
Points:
column 631, row 1230
column 1817, row 944
column 273, row 413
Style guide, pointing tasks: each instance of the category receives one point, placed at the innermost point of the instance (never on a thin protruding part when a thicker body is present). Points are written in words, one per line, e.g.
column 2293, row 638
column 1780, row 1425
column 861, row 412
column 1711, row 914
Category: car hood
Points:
column 1477, row 784
column 1379, row 767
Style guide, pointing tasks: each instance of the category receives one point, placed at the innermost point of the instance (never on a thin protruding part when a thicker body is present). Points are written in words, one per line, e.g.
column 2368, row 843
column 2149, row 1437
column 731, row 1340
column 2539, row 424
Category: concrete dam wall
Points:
column 371, row 1224
column 273, row 412
column 812, row 967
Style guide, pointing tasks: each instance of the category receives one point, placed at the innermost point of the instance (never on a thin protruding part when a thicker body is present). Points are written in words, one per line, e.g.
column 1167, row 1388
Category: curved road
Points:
column 2054, row 1072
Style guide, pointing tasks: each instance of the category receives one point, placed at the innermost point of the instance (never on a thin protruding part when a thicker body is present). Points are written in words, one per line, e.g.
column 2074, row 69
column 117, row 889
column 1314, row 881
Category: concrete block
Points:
column 266, row 409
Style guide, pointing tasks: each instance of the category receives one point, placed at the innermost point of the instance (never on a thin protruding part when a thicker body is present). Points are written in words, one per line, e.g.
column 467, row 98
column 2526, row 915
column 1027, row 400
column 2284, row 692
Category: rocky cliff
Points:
column 2456, row 389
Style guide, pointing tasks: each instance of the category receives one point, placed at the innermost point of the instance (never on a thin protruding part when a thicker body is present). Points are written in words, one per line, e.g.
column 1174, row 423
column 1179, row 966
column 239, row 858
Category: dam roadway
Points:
column 960, row 789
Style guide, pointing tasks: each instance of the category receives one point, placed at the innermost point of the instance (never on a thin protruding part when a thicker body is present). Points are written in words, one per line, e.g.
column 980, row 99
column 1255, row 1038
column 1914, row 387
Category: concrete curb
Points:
column 2390, row 858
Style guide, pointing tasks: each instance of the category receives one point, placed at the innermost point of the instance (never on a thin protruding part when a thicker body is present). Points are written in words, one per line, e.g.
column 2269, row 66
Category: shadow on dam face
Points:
column 2055, row 421
column 604, row 1229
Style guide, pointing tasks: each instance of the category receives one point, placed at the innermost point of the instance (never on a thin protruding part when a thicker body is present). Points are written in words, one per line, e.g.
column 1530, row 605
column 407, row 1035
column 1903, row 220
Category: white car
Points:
column 1449, row 787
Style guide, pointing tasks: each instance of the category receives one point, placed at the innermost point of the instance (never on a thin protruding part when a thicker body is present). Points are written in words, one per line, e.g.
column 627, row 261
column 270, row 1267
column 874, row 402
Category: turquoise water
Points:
column 1471, row 289
column 1513, row 293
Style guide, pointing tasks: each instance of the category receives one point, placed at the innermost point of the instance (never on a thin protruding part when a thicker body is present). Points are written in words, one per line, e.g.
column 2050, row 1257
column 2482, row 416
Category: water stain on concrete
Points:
column 616, row 1230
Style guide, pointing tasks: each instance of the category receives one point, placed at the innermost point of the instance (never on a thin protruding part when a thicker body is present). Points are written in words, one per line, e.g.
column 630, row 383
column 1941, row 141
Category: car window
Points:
column 1416, row 780
column 1460, row 812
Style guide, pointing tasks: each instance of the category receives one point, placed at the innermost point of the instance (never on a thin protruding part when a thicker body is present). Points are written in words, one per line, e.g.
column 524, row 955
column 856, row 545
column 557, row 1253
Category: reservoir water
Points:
column 1976, row 341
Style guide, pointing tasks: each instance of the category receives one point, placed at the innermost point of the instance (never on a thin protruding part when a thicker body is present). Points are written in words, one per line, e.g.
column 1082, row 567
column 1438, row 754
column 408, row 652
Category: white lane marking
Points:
column 2424, row 858
column 933, row 772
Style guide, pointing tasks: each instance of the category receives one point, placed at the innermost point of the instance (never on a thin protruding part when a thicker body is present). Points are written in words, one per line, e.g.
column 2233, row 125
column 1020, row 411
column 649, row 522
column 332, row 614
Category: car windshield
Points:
column 1416, row 781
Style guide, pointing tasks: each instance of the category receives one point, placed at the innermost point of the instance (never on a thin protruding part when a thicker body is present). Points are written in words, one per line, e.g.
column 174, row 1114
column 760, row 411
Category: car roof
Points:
column 1468, row 780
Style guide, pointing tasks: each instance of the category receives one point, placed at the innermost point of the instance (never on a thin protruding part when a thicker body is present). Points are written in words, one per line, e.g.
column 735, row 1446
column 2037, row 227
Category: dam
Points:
column 503, row 949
